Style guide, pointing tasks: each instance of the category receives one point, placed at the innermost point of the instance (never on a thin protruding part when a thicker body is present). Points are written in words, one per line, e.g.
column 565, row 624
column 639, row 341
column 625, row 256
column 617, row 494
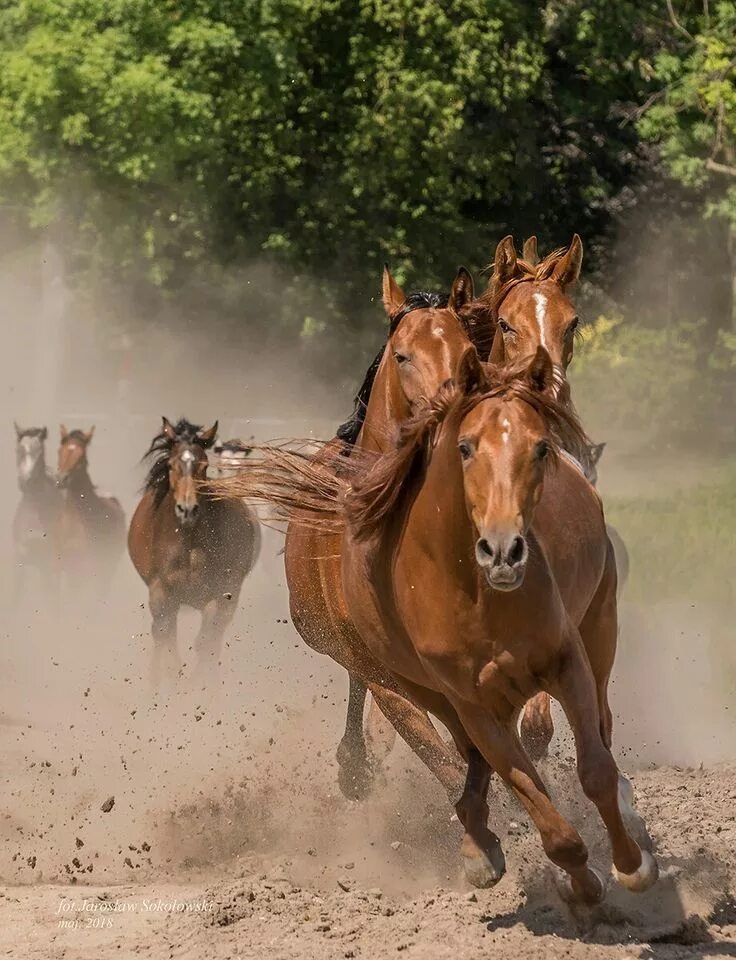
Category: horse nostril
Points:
column 516, row 552
column 484, row 548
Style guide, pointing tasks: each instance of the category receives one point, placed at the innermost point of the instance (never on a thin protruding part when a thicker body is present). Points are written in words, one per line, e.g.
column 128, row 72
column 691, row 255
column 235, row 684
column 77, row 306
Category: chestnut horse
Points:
column 479, row 577
column 36, row 516
column 425, row 342
column 189, row 548
column 91, row 528
column 476, row 571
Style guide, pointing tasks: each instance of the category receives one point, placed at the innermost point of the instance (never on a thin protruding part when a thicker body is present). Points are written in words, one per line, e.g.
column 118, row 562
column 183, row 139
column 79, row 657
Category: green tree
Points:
column 692, row 112
column 173, row 138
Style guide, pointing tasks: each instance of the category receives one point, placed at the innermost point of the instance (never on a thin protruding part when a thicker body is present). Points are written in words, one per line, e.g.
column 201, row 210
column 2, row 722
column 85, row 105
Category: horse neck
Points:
column 39, row 481
column 387, row 409
column 80, row 484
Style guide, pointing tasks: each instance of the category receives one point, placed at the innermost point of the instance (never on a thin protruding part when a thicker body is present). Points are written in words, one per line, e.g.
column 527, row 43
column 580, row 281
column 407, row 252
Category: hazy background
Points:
column 196, row 204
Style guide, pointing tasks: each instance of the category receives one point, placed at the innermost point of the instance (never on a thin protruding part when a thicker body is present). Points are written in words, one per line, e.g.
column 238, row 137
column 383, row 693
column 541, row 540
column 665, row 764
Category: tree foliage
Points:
column 169, row 142
column 692, row 113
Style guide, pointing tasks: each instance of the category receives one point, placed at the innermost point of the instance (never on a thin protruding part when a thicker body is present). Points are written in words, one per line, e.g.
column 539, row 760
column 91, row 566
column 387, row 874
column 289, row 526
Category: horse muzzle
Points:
column 186, row 513
column 503, row 558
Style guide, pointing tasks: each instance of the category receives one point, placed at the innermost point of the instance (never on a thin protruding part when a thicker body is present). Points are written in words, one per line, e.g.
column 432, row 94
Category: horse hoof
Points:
column 572, row 893
column 355, row 782
column 486, row 869
column 643, row 878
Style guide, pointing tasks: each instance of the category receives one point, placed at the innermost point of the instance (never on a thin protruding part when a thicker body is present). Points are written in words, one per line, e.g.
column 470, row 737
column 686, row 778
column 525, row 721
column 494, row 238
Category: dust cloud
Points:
column 211, row 783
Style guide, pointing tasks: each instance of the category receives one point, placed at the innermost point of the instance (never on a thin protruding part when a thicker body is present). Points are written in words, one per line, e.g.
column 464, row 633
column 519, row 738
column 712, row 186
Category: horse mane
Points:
column 157, row 478
column 349, row 431
column 375, row 495
column 78, row 435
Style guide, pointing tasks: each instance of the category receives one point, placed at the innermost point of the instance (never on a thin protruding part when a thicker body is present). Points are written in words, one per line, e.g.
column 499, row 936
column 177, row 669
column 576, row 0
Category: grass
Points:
column 682, row 545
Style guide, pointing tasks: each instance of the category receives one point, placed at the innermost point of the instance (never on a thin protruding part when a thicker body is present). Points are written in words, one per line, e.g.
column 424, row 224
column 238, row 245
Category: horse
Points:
column 478, row 570
column 425, row 340
column 230, row 455
column 36, row 514
column 189, row 548
column 91, row 528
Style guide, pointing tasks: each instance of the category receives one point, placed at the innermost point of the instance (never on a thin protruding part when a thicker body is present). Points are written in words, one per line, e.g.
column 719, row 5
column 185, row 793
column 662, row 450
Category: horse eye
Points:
column 466, row 449
column 574, row 325
column 505, row 328
column 400, row 358
column 541, row 450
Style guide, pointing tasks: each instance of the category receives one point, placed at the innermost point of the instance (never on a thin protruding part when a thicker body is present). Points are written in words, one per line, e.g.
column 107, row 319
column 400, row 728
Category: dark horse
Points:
column 36, row 514
column 91, row 528
column 189, row 548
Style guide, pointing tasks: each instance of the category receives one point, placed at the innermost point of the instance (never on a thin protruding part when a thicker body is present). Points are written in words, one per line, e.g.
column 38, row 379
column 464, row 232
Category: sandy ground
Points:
column 229, row 838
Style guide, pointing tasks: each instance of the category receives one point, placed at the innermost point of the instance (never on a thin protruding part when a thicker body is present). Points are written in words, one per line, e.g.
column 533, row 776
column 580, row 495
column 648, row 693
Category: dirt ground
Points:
column 223, row 833
column 228, row 837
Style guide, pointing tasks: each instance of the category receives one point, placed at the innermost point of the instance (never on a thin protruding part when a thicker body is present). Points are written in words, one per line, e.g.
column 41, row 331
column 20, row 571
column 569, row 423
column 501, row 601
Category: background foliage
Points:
column 257, row 162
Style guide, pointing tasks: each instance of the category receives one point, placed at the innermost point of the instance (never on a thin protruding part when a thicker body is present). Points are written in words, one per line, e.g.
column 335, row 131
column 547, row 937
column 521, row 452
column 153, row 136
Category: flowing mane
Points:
column 378, row 492
column 157, row 478
column 321, row 488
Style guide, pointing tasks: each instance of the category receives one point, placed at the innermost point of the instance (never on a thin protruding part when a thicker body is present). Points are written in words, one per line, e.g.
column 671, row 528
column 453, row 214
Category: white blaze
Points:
column 505, row 430
column 540, row 302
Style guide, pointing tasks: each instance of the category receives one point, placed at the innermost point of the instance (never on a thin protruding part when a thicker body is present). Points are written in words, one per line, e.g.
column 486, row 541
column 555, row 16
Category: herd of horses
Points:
column 448, row 548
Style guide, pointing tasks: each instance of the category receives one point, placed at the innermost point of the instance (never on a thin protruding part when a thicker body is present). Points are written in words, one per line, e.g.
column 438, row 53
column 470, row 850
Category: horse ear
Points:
column 540, row 374
column 207, row 437
column 567, row 270
column 18, row 431
column 89, row 434
column 63, row 432
column 596, row 451
column 166, row 428
column 461, row 291
column 505, row 263
column 43, row 434
column 470, row 376
column 530, row 253
column 393, row 296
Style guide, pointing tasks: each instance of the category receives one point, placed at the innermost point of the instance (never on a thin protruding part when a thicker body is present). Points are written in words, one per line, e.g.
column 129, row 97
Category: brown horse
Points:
column 426, row 339
column 189, row 548
column 527, row 305
column 35, row 519
column 91, row 529
column 477, row 571
column 479, row 577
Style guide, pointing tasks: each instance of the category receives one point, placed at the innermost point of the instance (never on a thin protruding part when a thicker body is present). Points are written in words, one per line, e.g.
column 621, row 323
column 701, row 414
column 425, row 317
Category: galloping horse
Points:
column 189, row 548
column 425, row 342
column 91, row 528
column 476, row 570
column 478, row 576
column 36, row 515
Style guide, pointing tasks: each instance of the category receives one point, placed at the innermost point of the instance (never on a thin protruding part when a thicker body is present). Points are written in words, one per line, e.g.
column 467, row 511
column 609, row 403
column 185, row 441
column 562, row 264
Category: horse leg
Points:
column 537, row 728
column 216, row 616
column 635, row 868
column 163, row 631
column 599, row 632
column 483, row 860
column 354, row 775
column 380, row 736
column 413, row 725
column 499, row 743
